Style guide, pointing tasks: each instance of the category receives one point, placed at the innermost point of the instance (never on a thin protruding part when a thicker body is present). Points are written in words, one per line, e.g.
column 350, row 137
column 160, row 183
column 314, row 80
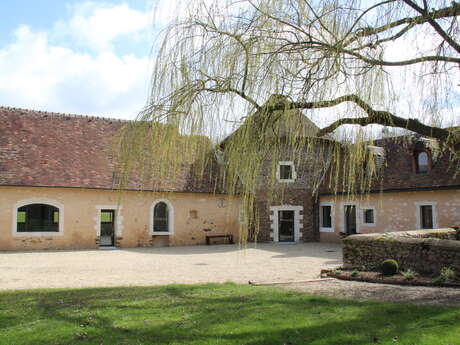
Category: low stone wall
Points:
column 425, row 251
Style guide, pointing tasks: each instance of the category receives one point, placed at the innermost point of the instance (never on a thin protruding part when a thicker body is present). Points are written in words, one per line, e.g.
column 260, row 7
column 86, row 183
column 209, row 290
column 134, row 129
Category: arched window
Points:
column 37, row 218
column 422, row 160
column 162, row 218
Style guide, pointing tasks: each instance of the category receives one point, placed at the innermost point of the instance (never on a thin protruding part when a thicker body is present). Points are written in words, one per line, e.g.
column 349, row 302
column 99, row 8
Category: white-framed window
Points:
column 162, row 218
column 326, row 217
column 426, row 215
column 378, row 154
column 368, row 214
column 422, row 161
column 285, row 171
column 38, row 217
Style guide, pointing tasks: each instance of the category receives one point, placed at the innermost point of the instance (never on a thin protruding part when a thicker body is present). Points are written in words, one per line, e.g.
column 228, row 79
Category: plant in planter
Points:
column 390, row 267
column 447, row 274
column 409, row 274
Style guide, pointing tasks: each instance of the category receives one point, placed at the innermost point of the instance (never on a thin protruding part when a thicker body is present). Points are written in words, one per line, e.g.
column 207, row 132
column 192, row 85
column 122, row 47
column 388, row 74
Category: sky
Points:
column 87, row 56
column 83, row 57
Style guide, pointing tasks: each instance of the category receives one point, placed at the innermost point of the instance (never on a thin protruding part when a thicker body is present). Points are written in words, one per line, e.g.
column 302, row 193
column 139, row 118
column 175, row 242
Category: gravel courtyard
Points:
column 156, row 266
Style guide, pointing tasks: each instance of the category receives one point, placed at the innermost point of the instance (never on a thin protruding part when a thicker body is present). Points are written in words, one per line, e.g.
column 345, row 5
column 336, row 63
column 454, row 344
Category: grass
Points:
column 215, row 314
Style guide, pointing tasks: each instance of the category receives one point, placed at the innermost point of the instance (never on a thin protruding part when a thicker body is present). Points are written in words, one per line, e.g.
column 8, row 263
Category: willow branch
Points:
column 452, row 11
column 379, row 117
column 428, row 16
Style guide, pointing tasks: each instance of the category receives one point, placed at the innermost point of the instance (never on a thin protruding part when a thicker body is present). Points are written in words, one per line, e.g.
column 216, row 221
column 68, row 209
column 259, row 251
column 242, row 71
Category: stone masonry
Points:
column 425, row 251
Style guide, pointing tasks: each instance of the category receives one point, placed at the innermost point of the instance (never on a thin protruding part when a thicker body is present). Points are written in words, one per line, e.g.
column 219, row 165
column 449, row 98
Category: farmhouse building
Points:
column 59, row 190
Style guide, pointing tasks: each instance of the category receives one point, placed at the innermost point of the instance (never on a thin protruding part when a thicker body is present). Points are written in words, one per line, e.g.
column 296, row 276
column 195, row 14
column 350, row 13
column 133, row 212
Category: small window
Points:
column 37, row 218
column 161, row 217
column 326, row 216
column 286, row 172
column 422, row 162
column 426, row 216
column 368, row 216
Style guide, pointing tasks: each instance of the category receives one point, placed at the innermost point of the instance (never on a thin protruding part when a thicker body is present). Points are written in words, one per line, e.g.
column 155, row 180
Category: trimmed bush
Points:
column 390, row 267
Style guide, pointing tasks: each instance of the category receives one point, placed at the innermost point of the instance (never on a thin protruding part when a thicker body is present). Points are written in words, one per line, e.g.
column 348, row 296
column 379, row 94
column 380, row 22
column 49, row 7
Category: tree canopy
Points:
column 222, row 64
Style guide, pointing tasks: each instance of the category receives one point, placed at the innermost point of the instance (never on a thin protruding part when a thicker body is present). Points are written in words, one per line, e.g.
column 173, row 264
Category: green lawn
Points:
column 215, row 314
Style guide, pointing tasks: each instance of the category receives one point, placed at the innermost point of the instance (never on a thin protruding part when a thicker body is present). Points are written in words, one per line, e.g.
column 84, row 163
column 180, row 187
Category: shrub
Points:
column 390, row 267
column 409, row 274
column 447, row 274
column 355, row 273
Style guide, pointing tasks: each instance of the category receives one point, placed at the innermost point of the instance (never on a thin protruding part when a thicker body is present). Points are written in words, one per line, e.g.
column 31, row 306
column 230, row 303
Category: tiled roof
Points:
column 398, row 171
column 61, row 150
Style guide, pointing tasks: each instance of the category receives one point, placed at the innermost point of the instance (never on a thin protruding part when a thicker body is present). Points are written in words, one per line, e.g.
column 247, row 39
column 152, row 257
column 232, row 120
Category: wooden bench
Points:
column 209, row 237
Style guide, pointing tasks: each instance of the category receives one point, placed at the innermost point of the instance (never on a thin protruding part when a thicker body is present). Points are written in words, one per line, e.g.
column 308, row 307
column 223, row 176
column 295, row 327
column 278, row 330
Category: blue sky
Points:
column 86, row 57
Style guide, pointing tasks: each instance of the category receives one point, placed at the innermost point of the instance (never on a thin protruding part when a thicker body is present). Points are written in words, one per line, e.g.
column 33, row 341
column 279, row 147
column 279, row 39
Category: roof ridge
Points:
column 59, row 114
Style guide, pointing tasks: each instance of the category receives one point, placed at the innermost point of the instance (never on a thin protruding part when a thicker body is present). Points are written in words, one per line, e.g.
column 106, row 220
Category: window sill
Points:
column 37, row 234
column 326, row 229
column 161, row 233
column 286, row 181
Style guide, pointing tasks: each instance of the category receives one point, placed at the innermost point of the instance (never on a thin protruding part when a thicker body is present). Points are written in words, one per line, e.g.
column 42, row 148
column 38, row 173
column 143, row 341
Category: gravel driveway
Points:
column 156, row 266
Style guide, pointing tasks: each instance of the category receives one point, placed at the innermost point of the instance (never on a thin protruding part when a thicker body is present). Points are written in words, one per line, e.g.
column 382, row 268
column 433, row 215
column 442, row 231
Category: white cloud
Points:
column 96, row 26
column 38, row 74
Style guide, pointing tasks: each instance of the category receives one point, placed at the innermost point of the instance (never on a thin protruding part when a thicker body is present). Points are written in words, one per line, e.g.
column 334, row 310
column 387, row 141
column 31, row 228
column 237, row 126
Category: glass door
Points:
column 350, row 219
column 107, row 228
column 286, row 226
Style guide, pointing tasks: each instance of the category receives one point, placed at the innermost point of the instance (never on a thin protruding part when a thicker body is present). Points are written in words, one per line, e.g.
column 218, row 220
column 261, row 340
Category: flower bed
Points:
column 398, row 279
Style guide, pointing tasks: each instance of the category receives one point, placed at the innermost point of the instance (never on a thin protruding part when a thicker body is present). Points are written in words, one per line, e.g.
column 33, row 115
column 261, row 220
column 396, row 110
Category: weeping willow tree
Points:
column 246, row 73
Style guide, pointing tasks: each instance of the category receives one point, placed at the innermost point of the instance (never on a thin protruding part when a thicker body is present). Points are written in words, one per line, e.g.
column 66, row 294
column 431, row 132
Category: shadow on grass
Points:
column 214, row 314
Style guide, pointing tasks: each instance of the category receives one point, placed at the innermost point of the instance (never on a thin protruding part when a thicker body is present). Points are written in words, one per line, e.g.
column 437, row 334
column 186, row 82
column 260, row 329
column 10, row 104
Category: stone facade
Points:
column 193, row 217
column 301, row 193
column 397, row 211
column 424, row 251
column 294, row 198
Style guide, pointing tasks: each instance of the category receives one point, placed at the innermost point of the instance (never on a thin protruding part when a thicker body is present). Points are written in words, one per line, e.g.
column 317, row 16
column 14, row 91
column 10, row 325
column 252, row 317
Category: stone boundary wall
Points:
column 424, row 251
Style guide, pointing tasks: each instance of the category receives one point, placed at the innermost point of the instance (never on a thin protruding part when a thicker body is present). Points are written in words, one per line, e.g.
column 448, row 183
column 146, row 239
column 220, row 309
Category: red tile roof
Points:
column 61, row 150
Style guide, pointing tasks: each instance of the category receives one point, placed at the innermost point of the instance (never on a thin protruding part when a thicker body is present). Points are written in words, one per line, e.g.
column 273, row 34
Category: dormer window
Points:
column 286, row 172
column 422, row 161
column 377, row 155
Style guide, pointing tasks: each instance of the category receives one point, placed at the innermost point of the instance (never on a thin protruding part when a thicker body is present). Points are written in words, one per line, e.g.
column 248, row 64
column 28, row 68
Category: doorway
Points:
column 350, row 219
column 286, row 226
column 107, row 228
